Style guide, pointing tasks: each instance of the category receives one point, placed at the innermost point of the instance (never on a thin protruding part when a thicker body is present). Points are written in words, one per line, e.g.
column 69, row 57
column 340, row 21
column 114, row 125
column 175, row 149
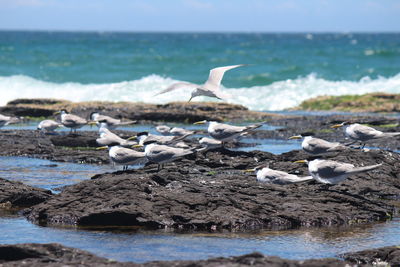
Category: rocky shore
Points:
column 58, row 255
column 213, row 193
column 182, row 112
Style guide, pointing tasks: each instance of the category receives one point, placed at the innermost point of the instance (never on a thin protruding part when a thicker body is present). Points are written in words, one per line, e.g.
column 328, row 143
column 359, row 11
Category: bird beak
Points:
column 132, row 138
column 296, row 137
column 300, row 161
column 337, row 125
column 190, row 99
column 250, row 170
column 137, row 146
column 92, row 123
column 101, row 148
column 57, row 112
column 200, row 122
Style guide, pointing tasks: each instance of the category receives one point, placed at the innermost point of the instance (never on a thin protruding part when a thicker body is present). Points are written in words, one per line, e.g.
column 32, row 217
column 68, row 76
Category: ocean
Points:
column 283, row 70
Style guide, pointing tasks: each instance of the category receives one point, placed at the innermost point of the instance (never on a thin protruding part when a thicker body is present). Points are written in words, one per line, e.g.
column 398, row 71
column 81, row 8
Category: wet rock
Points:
column 253, row 259
column 210, row 191
column 51, row 255
column 388, row 255
column 71, row 148
column 171, row 112
column 17, row 195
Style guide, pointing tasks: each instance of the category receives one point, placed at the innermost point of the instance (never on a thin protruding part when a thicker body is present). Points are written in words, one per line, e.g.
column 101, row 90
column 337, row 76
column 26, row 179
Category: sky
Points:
column 202, row 15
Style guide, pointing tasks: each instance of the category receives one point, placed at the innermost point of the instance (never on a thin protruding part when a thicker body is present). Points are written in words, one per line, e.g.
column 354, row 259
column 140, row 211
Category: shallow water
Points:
column 149, row 246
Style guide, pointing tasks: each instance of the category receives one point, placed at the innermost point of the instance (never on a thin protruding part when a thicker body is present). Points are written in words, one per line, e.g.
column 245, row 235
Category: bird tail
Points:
column 391, row 134
column 304, row 179
column 253, row 127
column 365, row 169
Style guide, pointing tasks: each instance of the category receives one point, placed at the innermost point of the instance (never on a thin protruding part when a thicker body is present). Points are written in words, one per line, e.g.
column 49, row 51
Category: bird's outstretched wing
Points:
column 178, row 85
column 216, row 75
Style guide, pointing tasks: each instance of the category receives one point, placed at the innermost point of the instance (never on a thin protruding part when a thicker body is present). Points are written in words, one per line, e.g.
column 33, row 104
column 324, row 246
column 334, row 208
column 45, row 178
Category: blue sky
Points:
column 202, row 15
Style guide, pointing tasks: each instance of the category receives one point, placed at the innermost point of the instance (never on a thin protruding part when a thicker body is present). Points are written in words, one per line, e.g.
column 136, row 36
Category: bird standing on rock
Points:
column 5, row 120
column 316, row 146
column 225, row 132
column 71, row 121
column 333, row 172
column 124, row 156
column 361, row 133
column 162, row 154
column 108, row 138
column 112, row 123
column 267, row 175
column 48, row 126
column 210, row 88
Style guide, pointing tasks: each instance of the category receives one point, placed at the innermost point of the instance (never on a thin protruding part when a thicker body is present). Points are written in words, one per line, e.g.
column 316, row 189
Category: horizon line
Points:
column 199, row 32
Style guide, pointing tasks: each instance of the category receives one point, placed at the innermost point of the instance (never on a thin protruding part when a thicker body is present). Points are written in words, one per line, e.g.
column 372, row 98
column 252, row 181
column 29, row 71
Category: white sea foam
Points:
column 276, row 96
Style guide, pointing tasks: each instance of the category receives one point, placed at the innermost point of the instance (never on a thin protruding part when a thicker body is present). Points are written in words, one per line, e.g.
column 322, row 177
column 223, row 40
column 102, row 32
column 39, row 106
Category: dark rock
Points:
column 51, row 255
column 71, row 148
column 204, row 193
column 171, row 112
column 390, row 255
column 16, row 194
column 58, row 255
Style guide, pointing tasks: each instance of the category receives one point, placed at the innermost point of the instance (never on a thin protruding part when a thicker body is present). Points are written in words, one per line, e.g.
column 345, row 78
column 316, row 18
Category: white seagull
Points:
column 210, row 88
column 333, row 172
column 361, row 133
column 124, row 156
column 112, row 123
column 108, row 138
column 270, row 176
column 175, row 131
column 5, row 120
column 161, row 154
column 317, row 146
column 48, row 126
column 71, row 121
column 225, row 132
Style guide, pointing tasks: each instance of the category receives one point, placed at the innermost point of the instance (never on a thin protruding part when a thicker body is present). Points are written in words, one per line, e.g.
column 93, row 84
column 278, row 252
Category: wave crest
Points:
column 276, row 96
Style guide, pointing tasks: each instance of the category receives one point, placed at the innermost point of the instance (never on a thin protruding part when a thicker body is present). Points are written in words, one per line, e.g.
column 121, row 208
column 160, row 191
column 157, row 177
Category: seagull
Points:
column 163, row 129
column 225, row 132
column 176, row 131
column 48, row 126
column 160, row 139
column 361, row 133
column 210, row 88
column 5, row 120
column 270, row 176
column 162, row 154
column 124, row 156
column 333, row 172
column 108, row 138
column 317, row 146
column 209, row 143
column 111, row 122
column 71, row 121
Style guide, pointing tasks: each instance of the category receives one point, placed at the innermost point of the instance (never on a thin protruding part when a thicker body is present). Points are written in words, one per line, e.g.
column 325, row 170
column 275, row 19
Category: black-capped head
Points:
column 145, row 143
column 94, row 115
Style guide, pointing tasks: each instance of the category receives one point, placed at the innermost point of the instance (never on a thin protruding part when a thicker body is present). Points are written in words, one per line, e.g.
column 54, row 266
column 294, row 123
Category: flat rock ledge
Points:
column 211, row 192
column 17, row 195
column 171, row 112
column 57, row 255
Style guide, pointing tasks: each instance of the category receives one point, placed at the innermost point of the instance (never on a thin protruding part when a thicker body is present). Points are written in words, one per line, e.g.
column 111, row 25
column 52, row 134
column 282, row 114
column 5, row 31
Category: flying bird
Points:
column 210, row 88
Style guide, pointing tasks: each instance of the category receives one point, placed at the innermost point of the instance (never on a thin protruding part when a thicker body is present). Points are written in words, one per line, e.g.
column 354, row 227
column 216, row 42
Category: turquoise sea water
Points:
column 285, row 68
